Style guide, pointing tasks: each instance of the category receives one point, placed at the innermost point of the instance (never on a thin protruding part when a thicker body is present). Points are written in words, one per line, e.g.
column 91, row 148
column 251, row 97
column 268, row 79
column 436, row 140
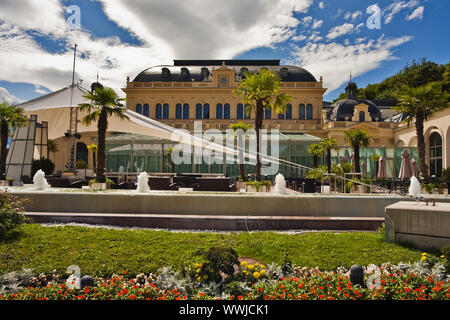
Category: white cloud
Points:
column 396, row 7
column 321, row 5
column 356, row 14
column 333, row 60
column 7, row 97
column 300, row 37
column 167, row 30
column 315, row 37
column 338, row 31
column 417, row 14
column 317, row 24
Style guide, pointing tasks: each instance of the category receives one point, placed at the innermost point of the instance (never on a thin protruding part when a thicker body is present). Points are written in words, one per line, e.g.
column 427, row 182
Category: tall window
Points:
column 362, row 116
column 240, row 111
column 435, row 155
column 198, row 111
column 219, row 111
column 309, row 112
column 281, row 116
column 139, row 108
column 166, row 111
column 206, row 111
column 158, row 112
column 178, row 111
column 186, row 111
column 268, row 113
column 301, row 111
column 226, row 111
column 146, row 110
column 289, row 111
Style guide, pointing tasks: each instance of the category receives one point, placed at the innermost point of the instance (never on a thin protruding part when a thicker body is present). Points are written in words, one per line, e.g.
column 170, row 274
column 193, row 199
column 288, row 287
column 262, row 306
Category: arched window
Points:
column 158, row 113
column 226, row 111
column 289, row 111
column 186, row 111
column 146, row 111
column 165, row 74
column 309, row 112
column 435, row 155
column 82, row 152
column 166, row 111
column 178, row 111
column 198, row 111
column 362, row 116
column 219, row 111
column 139, row 108
column 301, row 111
column 268, row 113
column 240, row 111
column 206, row 111
column 184, row 74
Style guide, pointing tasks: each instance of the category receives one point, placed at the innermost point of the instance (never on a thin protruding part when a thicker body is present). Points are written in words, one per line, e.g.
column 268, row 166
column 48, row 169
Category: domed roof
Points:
column 197, row 70
column 343, row 110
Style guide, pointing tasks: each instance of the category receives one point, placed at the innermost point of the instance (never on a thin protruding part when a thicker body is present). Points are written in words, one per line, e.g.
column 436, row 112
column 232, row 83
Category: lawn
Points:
column 102, row 252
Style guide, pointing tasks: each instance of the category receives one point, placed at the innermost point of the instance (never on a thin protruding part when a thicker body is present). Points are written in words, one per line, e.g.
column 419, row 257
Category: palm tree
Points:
column 94, row 149
column 419, row 105
column 11, row 116
column 328, row 144
column 259, row 91
column 316, row 150
column 357, row 138
column 241, row 145
column 104, row 104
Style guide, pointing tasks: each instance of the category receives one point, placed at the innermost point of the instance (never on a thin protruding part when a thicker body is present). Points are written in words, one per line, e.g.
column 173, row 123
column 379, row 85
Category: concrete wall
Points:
column 209, row 204
column 416, row 223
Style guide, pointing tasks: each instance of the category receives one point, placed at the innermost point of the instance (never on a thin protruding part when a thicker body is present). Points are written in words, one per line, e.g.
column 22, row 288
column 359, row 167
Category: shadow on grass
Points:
column 12, row 236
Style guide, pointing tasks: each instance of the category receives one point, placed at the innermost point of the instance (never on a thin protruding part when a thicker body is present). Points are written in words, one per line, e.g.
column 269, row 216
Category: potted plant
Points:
column 253, row 186
column 241, row 184
column 96, row 185
column 266, row 186
column 428, row 187
column 446, row 177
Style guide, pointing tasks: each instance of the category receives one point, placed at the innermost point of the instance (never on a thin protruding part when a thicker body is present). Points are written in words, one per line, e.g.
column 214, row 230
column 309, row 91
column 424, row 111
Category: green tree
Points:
column 240, row 128
column 259, row 91
column 316, row 150
column 104, row 103
column 328, row 144
column 11, row 116
column 419, row 104
column 357, row 138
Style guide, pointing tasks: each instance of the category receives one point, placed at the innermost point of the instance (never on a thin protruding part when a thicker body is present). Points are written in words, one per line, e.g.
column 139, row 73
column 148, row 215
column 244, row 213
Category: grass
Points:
column 102, row 252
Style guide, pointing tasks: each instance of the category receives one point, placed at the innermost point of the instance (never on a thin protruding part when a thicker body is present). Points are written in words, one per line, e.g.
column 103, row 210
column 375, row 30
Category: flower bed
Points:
column 418, row 281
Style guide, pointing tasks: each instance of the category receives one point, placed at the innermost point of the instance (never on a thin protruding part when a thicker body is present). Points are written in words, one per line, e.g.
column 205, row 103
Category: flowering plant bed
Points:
column 255, row 282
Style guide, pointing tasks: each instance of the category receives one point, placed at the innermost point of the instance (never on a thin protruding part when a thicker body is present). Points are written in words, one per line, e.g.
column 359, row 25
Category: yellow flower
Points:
column 256, row 275
column 263, row 266
column 211, row 270
column 199, row 279
column 423, row 258
column 424, row 254
column 243, row 263
column 244, row 272
column 205, row 276
column 263, row 272
column 198, row 270
column 442, row 256
column 250, row 266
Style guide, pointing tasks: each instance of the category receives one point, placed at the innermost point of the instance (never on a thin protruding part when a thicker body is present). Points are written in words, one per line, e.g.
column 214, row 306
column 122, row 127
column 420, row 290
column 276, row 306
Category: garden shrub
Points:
column 11, row 213
column 43, row 164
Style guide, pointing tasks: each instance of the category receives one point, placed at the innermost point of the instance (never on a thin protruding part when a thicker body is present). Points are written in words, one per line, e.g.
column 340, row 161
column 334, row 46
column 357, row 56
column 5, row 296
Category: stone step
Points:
column 211, row 222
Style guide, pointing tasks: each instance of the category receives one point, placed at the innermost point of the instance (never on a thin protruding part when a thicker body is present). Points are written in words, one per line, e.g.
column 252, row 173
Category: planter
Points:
column 6, row 183
column 240, row 185
column 99, row 186
column 251, row 188
column 325, row 189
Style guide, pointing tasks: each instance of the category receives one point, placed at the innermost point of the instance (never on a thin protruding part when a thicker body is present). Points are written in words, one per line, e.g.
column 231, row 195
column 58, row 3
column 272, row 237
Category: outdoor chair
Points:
column 160, row 183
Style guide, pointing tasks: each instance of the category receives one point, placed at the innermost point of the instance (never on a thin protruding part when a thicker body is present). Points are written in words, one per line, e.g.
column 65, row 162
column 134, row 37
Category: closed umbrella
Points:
column 405, row 168
column 413, row 167
column 382, row 168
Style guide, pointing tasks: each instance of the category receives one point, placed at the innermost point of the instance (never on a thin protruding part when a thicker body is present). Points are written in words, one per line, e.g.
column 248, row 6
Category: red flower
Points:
column 132, row 297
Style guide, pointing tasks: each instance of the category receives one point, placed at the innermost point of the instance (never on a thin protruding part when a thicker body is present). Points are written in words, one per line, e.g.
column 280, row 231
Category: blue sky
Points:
column 120, row 38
